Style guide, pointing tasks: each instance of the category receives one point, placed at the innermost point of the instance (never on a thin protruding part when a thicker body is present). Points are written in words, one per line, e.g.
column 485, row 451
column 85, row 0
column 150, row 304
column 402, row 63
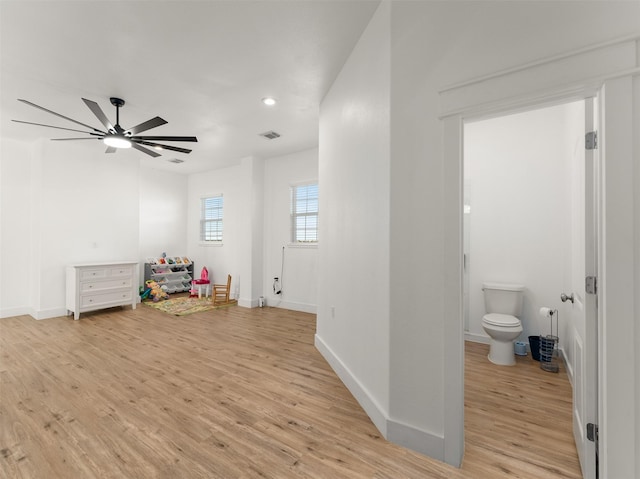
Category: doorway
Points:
column 524, row 221
column 521, row 186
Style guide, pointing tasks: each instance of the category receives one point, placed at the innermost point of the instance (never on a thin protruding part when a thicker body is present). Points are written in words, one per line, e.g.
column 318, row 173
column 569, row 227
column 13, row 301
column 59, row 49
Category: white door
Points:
column 584, row 306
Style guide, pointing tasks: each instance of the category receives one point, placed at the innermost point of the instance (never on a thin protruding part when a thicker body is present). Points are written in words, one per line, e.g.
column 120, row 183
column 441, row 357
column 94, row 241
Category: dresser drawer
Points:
column 121, row 272
column 94, row 273
column 107, row 297
column 89, row 286
column 106, row 272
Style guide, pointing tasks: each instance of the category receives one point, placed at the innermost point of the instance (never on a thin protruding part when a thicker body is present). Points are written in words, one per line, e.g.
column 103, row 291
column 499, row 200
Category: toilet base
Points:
column 501, row 353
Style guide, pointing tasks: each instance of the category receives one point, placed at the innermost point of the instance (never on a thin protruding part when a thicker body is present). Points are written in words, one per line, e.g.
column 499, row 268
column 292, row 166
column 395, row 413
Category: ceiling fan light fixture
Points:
column 114, row 136
column 117, row 141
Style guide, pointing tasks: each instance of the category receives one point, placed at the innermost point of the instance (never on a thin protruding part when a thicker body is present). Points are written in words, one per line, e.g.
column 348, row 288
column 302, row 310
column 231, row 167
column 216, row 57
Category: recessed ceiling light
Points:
column 269, row 101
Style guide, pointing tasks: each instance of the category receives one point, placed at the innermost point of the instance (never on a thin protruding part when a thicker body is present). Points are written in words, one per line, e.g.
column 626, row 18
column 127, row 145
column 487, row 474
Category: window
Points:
column 211, row 219
column 304, row 213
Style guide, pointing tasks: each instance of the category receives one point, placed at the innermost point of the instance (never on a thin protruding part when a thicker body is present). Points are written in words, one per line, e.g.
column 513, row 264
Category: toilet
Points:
column 503, row 305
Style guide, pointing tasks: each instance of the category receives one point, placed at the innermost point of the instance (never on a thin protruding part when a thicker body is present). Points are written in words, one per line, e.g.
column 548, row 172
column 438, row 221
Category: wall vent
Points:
column 175, row 160
column 270, row 135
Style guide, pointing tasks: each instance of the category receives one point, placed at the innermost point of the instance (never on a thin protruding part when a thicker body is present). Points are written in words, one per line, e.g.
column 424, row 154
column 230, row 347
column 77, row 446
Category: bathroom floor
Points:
column 517, row 419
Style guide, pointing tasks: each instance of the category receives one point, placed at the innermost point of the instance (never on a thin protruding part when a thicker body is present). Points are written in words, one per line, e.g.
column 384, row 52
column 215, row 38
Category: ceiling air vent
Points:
column 270, row 135
column 175, row 160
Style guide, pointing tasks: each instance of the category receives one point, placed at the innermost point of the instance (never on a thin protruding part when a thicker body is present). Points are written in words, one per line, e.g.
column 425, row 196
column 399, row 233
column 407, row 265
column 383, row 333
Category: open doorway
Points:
column 523, row 223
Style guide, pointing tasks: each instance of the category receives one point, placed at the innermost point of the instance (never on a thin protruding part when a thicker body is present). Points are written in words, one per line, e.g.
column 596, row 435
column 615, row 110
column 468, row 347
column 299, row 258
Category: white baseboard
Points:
column 368, row 403
column 397, row 432
column 11, row 312
column 41, row 314
column 416, row 439
column 476, row 338
column 248, row 303
column 567, row 366
column 50, row 313
column 302, row 307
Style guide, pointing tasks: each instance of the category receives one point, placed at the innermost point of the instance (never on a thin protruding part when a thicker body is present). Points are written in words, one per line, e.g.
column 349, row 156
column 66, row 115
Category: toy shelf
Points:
column 173, row 274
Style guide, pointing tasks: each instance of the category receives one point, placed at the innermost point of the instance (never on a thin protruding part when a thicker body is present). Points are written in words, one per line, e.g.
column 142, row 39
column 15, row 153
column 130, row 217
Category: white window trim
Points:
column 302, row 244
column 210, row 243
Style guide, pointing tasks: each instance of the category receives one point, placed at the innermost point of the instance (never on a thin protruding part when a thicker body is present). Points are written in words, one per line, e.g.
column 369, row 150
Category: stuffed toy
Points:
column 156, row 292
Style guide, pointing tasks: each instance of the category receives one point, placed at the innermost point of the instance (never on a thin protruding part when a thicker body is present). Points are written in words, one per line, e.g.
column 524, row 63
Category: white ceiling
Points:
column 203, row 66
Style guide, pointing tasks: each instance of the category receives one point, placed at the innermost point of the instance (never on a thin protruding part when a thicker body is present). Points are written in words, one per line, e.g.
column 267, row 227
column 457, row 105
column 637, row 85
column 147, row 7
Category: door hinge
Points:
column 592, row 432
column 591, row 140
column 591, row 285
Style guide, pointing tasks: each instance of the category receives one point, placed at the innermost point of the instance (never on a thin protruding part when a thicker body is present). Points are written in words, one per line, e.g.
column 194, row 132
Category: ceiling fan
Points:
column 117, row 137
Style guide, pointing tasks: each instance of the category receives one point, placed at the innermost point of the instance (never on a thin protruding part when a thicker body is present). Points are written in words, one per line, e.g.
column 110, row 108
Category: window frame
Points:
column 204, row 221
column 293, row 216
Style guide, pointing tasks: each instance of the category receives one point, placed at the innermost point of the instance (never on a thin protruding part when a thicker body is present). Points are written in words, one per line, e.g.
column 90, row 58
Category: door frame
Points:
column 521, row 89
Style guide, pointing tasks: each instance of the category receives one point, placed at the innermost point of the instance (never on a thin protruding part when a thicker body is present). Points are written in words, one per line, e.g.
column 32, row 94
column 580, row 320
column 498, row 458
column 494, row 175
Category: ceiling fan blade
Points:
column 163, row 147
column 145, row 150
column 66, row 139
column 147, row 125
column 166, row 138
column 97, row 111
column 58, row 127
column 110, row 149
column 59, row 115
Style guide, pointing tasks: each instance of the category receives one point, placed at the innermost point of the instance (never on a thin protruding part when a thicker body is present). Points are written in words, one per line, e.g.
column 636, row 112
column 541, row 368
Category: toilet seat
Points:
column 504, row 320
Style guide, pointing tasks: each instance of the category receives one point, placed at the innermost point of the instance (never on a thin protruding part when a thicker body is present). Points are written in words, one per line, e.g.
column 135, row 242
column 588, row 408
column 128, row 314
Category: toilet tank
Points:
column 503, row 298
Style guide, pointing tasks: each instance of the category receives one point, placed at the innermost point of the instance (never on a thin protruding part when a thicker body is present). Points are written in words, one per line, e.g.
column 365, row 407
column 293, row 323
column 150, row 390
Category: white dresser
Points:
column 101, row 285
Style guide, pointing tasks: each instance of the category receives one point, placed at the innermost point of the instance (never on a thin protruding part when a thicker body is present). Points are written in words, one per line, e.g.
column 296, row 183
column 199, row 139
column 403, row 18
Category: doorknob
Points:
column 564, row 298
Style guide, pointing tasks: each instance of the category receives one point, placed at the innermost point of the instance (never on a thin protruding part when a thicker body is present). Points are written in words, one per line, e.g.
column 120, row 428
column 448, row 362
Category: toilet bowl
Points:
column 503, row 329
column 503, row 304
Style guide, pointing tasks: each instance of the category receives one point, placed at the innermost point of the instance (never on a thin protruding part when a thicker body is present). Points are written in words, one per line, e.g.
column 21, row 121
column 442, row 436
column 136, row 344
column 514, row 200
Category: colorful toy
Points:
column 156, row 293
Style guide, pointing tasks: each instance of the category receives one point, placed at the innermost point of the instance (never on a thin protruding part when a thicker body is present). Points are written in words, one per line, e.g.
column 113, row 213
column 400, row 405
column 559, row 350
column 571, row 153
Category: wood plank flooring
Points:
column 517, row 419
column 233, row 393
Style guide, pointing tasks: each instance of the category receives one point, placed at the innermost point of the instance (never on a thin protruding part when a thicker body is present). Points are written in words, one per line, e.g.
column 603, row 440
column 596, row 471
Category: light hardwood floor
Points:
column 239, row 393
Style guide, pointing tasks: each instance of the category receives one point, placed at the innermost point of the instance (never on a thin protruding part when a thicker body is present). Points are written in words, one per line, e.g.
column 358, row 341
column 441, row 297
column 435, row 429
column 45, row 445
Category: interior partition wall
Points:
column 571, row 76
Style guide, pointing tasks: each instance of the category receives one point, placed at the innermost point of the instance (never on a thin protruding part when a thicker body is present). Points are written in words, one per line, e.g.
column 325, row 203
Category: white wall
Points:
column 16, row 261
column 89, row 211
column 518, row 180
column 163, row 215
column 636, row 292
column 433, row 44
column 353, row 280
column 300, row 278
column 79, row 206
column 233, row 184
column 256, row 227
column 74, row 204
